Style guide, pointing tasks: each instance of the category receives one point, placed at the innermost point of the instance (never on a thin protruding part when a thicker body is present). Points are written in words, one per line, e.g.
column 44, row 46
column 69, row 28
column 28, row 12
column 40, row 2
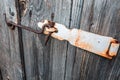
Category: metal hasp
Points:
column 98, row 44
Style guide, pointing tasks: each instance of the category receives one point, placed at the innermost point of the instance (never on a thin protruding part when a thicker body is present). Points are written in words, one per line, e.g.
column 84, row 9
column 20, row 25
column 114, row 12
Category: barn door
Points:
column 25, row 57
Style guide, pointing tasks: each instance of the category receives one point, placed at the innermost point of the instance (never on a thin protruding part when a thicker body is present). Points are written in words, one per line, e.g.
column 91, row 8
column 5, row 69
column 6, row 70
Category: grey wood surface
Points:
column 10, row 62
column 58, row 60
column 101, row 17
column 36, row 55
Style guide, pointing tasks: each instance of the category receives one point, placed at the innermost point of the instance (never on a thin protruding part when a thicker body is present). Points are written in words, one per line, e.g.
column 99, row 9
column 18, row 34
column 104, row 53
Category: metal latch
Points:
column 98, row 44
column 101, row 45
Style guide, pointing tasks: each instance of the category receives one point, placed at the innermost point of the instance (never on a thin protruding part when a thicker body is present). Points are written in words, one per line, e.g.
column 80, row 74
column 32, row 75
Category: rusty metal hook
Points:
column 12, row 25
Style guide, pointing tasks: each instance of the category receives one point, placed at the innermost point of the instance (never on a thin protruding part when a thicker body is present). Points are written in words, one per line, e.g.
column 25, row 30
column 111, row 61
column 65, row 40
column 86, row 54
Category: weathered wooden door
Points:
column 23, row 55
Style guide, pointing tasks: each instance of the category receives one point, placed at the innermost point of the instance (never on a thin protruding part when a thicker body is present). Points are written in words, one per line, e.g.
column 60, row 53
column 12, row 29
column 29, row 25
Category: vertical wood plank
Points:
column 75, row 18
column 99, row 17
column 36, row 54
column 45, row 62
column 10, row 63
column 59, row 48
column 59, row 60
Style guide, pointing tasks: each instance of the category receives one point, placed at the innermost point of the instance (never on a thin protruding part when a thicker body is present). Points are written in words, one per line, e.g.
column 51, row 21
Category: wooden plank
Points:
column 59, row 60
column 59, row 48
column 45, row 62
column 99, row 17
column 73, row 57
column 10, row 63
column 36, row 54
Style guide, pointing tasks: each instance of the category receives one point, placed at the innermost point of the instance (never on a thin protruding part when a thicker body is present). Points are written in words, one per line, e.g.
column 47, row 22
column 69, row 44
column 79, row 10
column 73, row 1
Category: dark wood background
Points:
column 23, row 55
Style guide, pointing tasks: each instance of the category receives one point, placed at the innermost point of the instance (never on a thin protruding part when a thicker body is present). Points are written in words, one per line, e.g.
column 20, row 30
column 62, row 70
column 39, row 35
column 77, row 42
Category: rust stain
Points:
column 89, row 47
column 78, row 38
column 49, row 27
column 104, row 55
column 51, row 23
column 113, row 41
column 82, row 44
column 77, row 41
column 113, row 45
column 113, row 54
column 106, row 52
column 57, row 37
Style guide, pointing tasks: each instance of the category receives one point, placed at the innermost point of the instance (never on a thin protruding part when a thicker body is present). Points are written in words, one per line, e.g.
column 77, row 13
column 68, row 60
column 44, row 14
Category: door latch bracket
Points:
column 101, row 45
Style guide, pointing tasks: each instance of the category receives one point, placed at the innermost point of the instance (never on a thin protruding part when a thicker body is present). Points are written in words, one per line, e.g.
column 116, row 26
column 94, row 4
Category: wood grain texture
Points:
column 100, row 17
column 59, row 48
column 45, row 62
column 10, row 63
column 73, row 59
column 36, row 54
column 58, row 60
